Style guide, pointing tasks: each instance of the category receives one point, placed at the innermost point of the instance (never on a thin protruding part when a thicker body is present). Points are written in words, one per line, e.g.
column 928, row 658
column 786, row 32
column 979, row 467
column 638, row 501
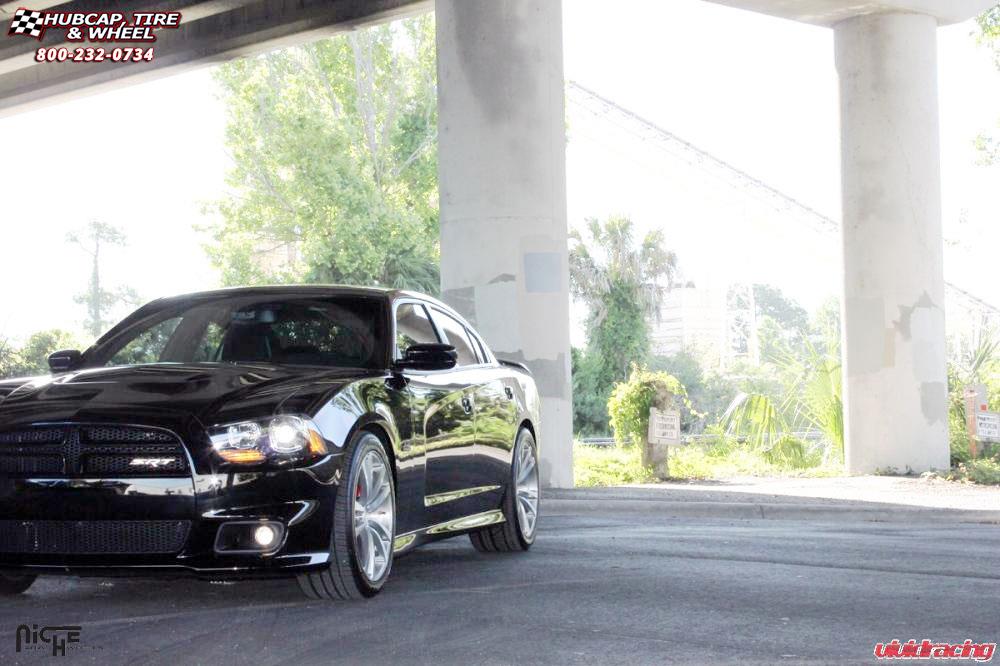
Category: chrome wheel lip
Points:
column 526, row 488
column 374, row 510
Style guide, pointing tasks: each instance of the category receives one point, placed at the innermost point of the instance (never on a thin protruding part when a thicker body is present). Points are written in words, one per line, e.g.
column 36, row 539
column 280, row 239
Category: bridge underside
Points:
column 502, row 181
column 211, row 31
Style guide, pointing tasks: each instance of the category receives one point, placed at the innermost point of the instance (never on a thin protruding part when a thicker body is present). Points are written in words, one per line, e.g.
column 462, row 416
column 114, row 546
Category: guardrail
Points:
column 806, row 435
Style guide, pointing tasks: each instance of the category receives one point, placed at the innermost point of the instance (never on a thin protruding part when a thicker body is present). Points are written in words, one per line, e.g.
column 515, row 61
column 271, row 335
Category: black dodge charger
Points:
column 308, row 432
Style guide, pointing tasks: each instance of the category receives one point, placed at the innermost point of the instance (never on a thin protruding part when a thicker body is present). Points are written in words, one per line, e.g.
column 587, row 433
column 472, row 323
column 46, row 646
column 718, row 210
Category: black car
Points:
column 314, row 432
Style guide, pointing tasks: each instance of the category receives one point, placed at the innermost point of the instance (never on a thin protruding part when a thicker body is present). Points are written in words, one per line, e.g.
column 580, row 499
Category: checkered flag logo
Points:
column 26, row 22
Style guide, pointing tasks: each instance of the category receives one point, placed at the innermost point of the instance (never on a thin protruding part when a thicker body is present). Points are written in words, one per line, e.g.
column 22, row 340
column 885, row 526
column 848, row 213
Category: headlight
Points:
column 281, row 439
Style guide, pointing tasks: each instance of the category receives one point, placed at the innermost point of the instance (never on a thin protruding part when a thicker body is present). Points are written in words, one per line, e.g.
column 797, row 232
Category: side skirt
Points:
column 406, row 542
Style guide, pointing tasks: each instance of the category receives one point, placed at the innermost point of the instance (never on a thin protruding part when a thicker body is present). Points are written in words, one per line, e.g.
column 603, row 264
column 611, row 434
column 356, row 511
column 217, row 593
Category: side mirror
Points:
column 429, row 356
column 63, row 361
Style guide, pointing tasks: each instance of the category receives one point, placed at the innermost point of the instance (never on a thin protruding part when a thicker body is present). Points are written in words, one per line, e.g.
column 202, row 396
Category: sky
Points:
column 755, row 91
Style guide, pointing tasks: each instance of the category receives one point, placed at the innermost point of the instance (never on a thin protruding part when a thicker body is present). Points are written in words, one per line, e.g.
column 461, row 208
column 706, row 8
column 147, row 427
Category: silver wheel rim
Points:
column 526, row 482
column 373, row 516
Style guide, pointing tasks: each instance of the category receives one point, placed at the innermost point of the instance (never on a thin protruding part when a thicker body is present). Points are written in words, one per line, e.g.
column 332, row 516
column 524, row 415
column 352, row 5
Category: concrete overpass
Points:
column 503, row 192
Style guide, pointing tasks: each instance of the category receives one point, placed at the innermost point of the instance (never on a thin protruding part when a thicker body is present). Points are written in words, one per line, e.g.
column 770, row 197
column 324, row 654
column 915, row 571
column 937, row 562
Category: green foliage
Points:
column 978, row 365
column 812, row 399
column 726, row 458
column 988, row 144
column 630, row 402
column 31, row 359
column 756, row 418
column 334, row 175
column 622, row 285
column 985, row 471
column 609, row 466
column 815, row 391
column 590, row 395
column 718, row 457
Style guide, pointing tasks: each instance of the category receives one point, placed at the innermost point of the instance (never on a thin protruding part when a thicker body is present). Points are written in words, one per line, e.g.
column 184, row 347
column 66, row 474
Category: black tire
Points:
column 344, row 579
column 510, row 536
column 15, row 583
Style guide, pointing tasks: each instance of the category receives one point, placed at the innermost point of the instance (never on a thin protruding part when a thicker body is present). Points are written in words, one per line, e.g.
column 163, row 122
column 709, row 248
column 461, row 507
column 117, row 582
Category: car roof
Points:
column 308, row 290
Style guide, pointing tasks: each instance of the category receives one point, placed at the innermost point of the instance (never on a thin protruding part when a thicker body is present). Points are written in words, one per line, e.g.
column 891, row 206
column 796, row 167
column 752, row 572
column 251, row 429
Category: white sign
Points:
column 664, row 426
column 988, row 426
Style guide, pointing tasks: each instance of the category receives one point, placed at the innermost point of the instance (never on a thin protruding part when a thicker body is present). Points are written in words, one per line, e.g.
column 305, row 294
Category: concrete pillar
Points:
column 895, row 388
column 502, row 171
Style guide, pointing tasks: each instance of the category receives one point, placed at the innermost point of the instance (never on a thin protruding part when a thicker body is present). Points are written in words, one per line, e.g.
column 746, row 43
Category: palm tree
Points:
column 623, row 285
column 612, row 263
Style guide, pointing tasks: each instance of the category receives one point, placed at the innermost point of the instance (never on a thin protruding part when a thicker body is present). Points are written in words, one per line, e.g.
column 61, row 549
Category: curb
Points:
column 766, row 511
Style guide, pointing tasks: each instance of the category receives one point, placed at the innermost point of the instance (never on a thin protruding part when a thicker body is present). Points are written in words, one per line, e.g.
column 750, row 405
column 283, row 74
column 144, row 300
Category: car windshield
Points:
column 344, row 332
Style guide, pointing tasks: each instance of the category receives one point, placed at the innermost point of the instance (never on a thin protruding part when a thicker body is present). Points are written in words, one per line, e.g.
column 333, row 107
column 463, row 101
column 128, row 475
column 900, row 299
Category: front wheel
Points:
column 15, row 583
column 520, row 504
column 364, row 527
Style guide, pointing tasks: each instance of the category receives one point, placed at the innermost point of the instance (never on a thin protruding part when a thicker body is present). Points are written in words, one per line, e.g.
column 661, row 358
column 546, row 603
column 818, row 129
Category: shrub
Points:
column 982, row 470
column 630, row 402
column 609, row 466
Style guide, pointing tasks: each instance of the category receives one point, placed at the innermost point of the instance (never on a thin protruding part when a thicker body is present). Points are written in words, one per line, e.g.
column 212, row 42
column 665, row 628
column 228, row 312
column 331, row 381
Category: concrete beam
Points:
column 827, row 13
column 210, row 32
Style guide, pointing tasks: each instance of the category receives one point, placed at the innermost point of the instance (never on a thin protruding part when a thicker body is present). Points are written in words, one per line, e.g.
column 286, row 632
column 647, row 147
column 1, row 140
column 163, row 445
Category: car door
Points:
column 496, row 415
column 443, row 417
column 481, row 470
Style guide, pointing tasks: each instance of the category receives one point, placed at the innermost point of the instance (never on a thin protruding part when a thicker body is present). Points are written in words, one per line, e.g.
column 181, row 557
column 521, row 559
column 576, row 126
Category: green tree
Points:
column 9, row 359
column 98, row 300
column 989, row 34
column 622, row 284
column 32, row 358
column 334, row 175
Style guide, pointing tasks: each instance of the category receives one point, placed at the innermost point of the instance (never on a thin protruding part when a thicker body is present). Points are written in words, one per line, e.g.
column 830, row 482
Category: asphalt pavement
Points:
column 600, row 587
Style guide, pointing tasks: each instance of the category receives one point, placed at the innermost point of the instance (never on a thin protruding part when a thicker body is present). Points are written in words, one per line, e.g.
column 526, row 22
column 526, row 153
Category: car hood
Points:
column 168, row 394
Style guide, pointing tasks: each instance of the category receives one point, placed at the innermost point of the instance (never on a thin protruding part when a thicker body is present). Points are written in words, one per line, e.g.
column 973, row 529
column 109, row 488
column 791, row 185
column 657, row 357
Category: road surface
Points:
column 598, row 588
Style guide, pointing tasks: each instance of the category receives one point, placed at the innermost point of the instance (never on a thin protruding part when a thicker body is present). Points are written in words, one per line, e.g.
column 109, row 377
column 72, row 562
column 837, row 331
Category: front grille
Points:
column 93, row 537
column 92, row 450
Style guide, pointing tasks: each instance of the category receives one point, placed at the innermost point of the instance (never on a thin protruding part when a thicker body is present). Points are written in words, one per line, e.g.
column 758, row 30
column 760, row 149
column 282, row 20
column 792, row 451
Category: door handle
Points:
column 466, row 404
column 509, row 391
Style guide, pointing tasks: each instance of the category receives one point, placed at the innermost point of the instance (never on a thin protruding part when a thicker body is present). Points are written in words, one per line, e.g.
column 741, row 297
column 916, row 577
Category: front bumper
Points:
column 166, row 525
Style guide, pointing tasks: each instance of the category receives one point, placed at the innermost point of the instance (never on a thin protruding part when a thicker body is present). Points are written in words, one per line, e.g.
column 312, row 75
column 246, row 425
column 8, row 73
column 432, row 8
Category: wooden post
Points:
column 663, row 432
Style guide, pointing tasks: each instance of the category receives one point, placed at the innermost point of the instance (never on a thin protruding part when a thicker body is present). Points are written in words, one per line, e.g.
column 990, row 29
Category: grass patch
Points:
column 615, row 465
column 609, row 466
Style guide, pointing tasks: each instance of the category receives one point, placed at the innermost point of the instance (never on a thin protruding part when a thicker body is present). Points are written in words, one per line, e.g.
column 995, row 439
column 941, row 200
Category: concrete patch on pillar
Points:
column 865, row 326
column 550, row 374
column 905, row 322
column 928, row 337
column 934, row 401
column 503, row 277
column 497, row 314
column 542, row 272
column 463, row 300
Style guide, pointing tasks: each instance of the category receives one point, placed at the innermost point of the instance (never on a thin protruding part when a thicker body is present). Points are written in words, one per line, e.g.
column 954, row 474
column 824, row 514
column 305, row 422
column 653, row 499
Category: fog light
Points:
column 265, row 536
column 250, row 537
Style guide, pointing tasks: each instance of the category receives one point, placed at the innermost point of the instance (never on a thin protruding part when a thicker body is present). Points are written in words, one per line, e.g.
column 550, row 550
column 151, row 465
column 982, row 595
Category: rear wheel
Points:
column 520, row 504
column 15, row 583
column 364, row 527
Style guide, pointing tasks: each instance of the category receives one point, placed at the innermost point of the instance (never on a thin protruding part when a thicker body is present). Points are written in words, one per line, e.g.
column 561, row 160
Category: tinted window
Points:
column 455, row 332
column 336, row 332
column 148, row 346
column 483, row 353
column 413, row 326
